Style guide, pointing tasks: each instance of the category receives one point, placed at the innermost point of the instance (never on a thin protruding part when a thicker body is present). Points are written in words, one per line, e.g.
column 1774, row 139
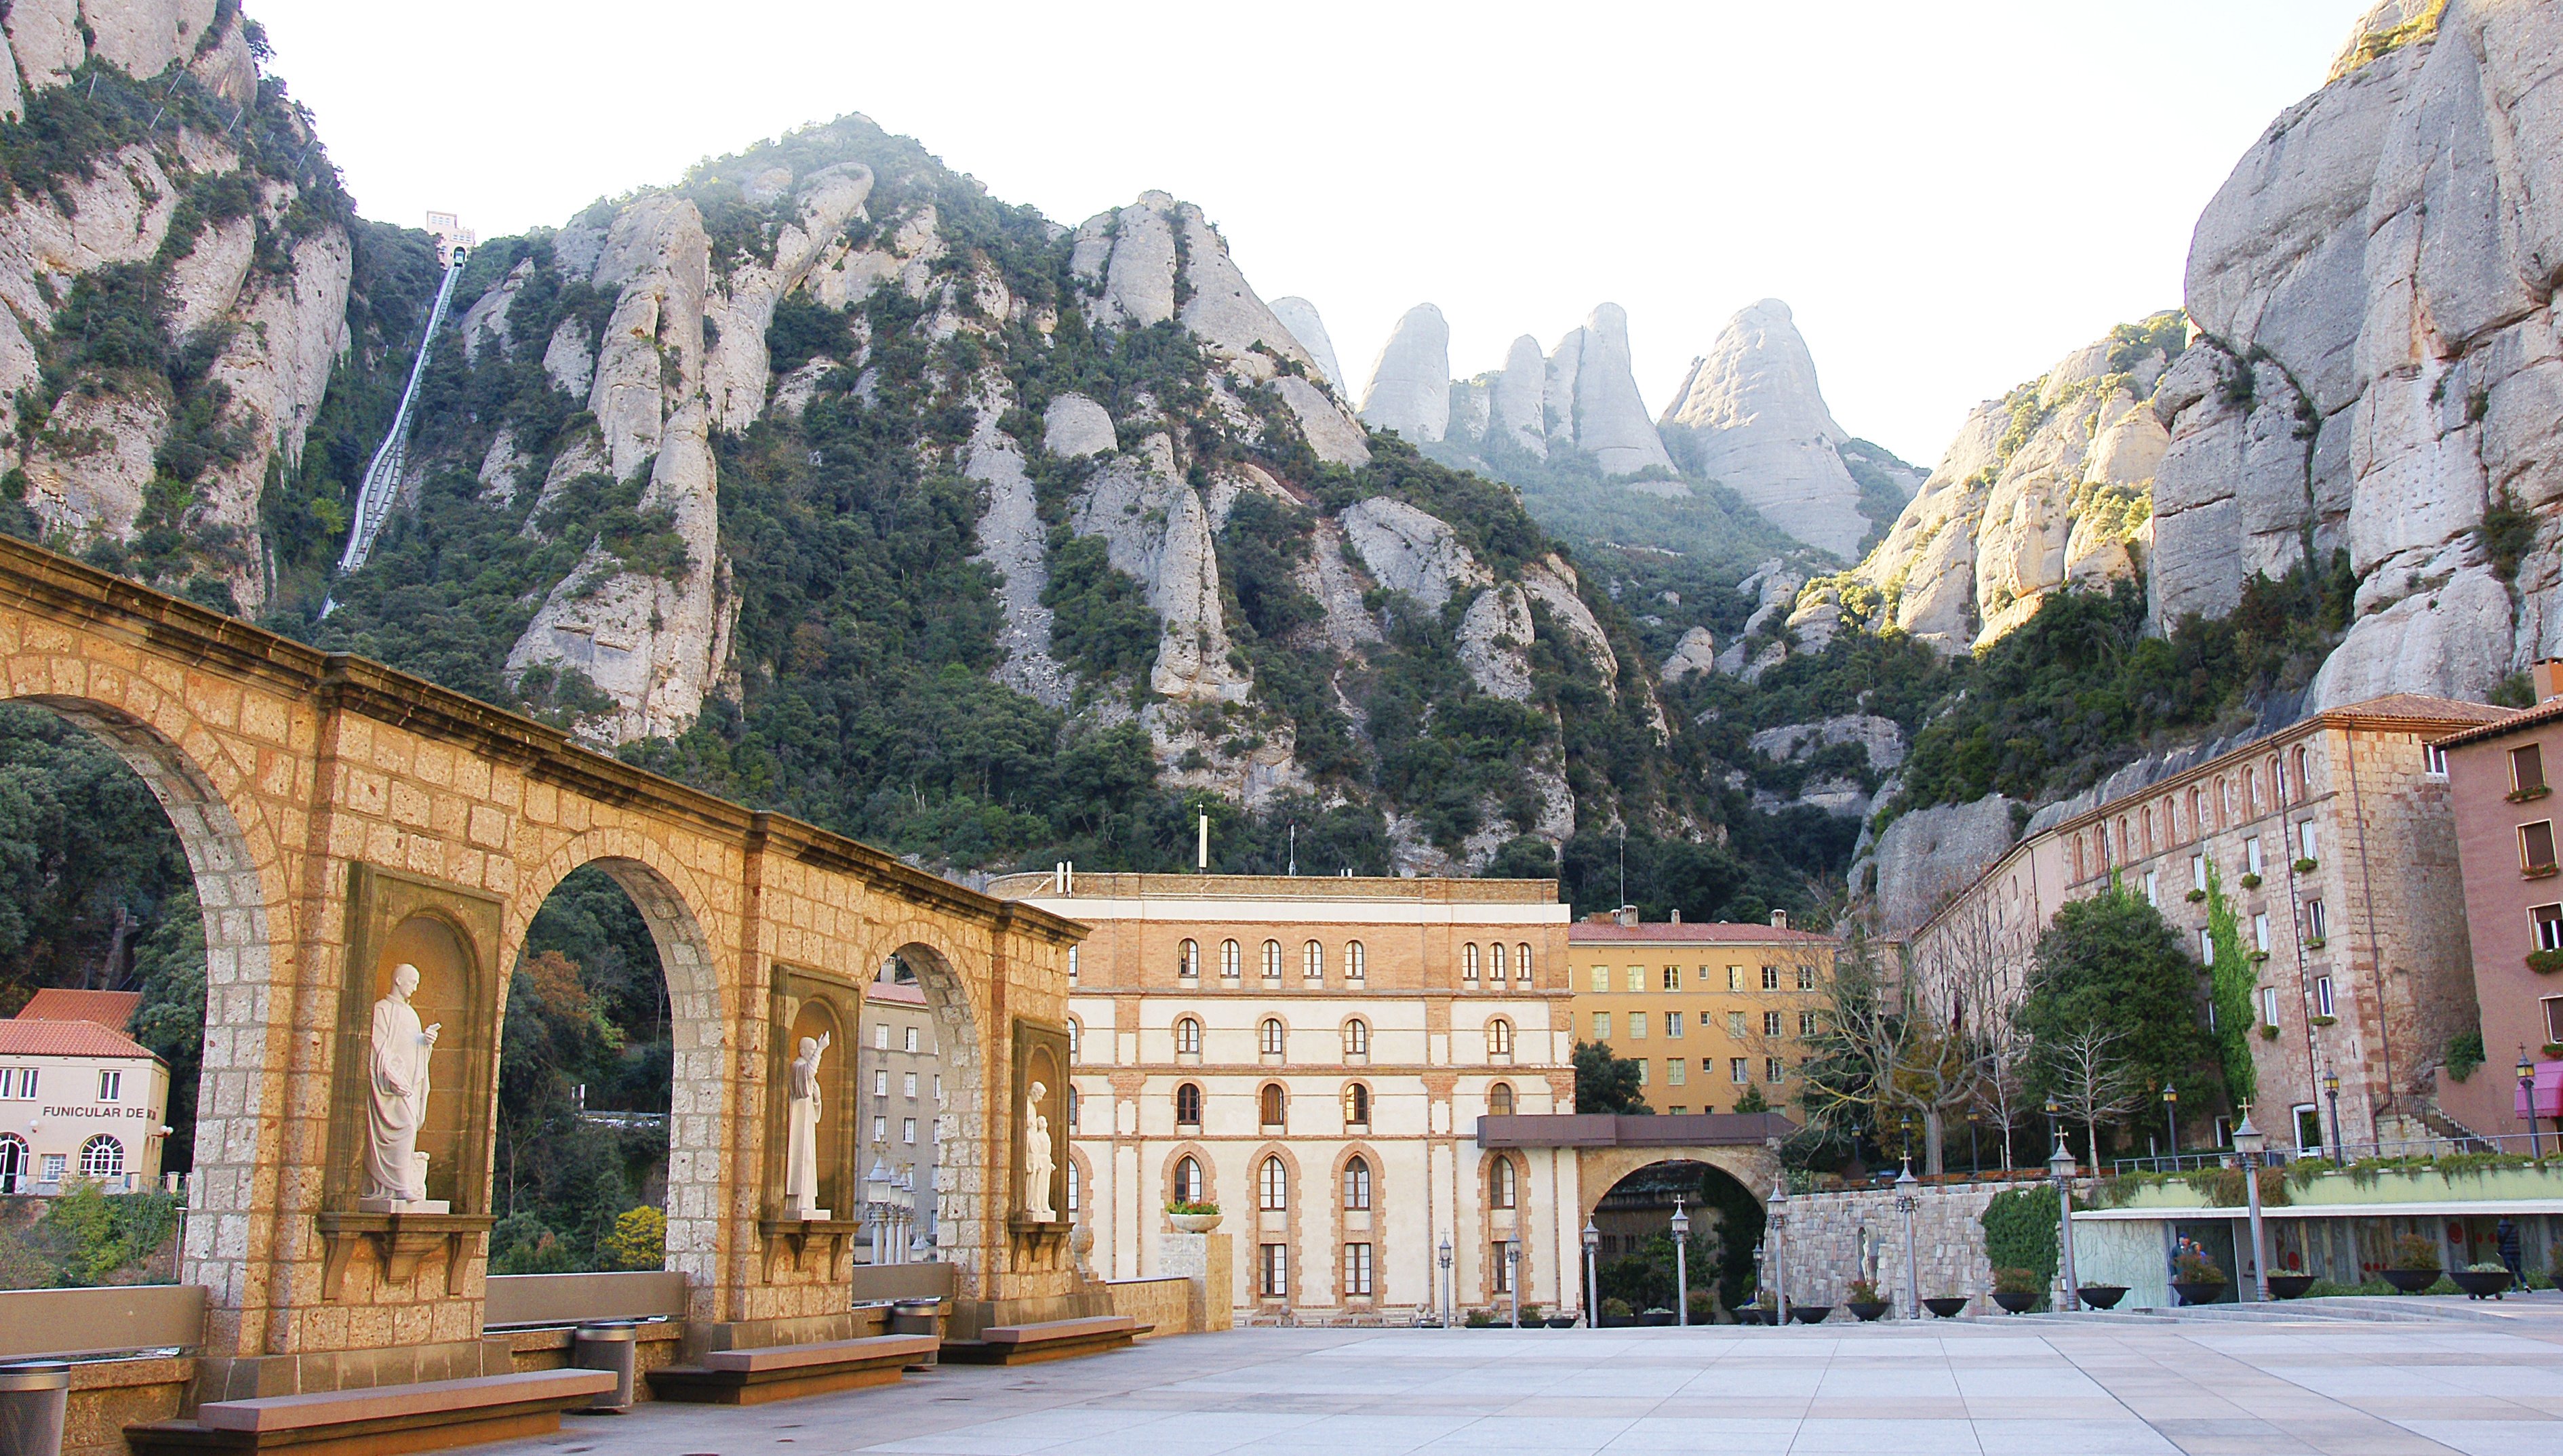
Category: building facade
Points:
column 80, row 1100
column 2334, row 842
column 901, row 1073
column 1714, row 1014
column 1312, row 1055
column 2500, row 783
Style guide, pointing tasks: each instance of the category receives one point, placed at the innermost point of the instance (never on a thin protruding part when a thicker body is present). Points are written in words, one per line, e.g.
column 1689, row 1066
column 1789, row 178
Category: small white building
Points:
column 80, row 1100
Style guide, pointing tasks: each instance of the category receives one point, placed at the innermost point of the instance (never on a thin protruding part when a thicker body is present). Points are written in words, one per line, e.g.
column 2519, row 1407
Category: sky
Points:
column 1949, row 197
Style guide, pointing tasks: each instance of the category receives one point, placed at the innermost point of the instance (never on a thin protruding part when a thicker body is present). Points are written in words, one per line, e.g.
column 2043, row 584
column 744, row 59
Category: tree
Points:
column 1607, row 1083
column 2092, row 1085
column 2003, row 1096
column 1912, row 1042
column 2113, row 962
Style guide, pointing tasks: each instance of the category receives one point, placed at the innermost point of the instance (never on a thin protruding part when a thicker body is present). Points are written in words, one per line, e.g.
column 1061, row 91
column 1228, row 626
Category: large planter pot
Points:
column 1946, row 1305
column 1561, row 1321
column 2017, row 1301
column 1193, row 1222
column 2200, row 1291
column 1868, row 1310
column 1616, row 1322
column 2291, row 1286
column 1810, row 1314
column 2482, row 1284
column 2102, row 1296
column 1657, row 1319
column 1749, row 1314
column 2410, row 1281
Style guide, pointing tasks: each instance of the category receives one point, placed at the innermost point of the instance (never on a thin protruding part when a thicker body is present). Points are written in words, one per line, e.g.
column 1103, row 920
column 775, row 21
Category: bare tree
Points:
column 2003, row 1097
column 2092, row 1084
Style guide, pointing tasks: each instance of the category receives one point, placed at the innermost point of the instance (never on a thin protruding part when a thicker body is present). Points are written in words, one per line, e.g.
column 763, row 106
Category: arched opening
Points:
column 587, row 1065
column 921, row 1076
column 1635, row 1261
column 127, row 890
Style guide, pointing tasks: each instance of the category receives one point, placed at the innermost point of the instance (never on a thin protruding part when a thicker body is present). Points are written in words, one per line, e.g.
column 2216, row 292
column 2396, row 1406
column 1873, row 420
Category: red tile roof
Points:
column 903, row 993
column 1716, row 932
column 2509, row 721
column 112, row 1009
column 22, row 1037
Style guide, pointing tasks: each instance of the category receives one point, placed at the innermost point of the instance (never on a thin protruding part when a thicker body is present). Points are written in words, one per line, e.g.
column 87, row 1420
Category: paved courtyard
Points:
column 2487, row 1379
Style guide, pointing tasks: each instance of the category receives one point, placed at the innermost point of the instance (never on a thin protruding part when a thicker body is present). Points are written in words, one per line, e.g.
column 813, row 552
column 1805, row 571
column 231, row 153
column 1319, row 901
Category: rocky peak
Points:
column 1757, row 422
column 1410, row 383
column 1301, row 317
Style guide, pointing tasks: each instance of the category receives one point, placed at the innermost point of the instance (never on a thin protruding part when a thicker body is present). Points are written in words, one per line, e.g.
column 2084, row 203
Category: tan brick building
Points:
column 1312, row 1054
column 2334, row 843
column 1709, row 1011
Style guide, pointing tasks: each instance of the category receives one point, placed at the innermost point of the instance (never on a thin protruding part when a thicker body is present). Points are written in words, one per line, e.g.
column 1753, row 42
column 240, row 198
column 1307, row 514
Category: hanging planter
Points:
column 2195, row 896
column 2324, row 1020
column 2268, row 1032
column 2545, row 962
column 2306, row 865
column 2249, row 880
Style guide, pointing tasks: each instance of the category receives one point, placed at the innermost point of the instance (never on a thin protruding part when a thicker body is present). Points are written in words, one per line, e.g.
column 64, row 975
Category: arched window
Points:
column 1229, row 963
column 1313, row 962
column 1188, row 961
column 1071, row 1186
column 2197, row 825
column 1496, row 963
column 2304, row 780
column 1521, row 962
column 1270, row 1036
column 1188, row 1180
column 102, row 1156
column 1272, row 960
column 1353, row 963
column 1072, row 1114
column 1469, row 962
column 1071, row 963
column 1272, row 1186
column 1357, row 1185
column 1500, row 1099
column 2149, row 828
column 1187, row 1037
column 1356, row 1105
column 1188, row 1105
column 2250, row 793
column 1357, row 1037
column 13, row 1161
column 1499, row 1184
column 1076, row 1038
column 2127, row 841
column 1499, row 1037
column 1273, row 1106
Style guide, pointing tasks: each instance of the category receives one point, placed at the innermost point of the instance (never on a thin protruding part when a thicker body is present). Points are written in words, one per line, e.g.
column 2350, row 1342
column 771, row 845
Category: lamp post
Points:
column 2054, row 1113
column 2331, row 1093
column 2527, row 1094
column 1776, row 1220
column 2171, row 1117
column 1682, row 1263
column 2059, row 1169
column 1512, row 1277
column 1445, row 1281
column 1592, row 1281
column 1905, row 1182
column 2248, row 1141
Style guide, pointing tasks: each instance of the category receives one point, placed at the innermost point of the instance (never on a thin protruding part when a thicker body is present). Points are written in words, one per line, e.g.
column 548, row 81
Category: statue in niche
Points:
column 801, row 1133
column 1038, row 1163
column 396, row 1102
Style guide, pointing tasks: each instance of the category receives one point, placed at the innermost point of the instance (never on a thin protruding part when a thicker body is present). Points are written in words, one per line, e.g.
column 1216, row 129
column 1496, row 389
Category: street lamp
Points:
column 2527, row 1094
column 1905, row 1182
column 1445, row 1281
column 2054, row 1112
column 2248, row 1141
column 1592, row 1281
column 2331, row 1092
column 2171, row 1117
column 1512, row 1277
column 1682, row 1263
column 2059, row 1169
column 1775, row 1220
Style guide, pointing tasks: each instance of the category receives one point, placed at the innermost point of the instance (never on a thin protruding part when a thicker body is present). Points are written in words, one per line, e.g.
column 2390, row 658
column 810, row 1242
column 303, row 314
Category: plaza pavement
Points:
column 2482, row 1379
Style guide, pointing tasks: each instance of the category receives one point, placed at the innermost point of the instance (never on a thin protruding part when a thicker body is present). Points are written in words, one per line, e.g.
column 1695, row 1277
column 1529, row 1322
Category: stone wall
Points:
column 1161, row 1306
column 1823, row 1242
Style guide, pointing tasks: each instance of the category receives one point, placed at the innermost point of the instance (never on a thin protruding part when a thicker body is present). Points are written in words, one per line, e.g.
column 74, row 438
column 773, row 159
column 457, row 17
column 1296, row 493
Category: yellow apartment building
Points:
column 1709, row 1011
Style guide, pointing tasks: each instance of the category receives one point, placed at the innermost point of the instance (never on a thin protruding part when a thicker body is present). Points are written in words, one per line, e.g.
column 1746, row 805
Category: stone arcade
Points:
column 369, row 850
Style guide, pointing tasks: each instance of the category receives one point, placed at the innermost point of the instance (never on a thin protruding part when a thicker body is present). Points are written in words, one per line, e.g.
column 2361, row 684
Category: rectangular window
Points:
column 1071, row 963
column 880, row 1083
column 880, row 1036
column 2251, row 854
column 1806, row 978
column 2206, row 952
column 1601, row 980
column 908, row 1039
column 1674, row 1069
column 110, row 1084
column 938, row 1089
column 1806, row 1024
column 881, row 1130
column 2434, row 761
column 1357, row 1270
column 1642, row 1071
column 1770, row 1023
column 2305, row 840
column 2314, row 918
column 1672, row 1024
column 2261, row 931
column 2268, row 1006
column 2526, row 769
column 1770, row 977
column 1636, row 1026
column 1707, row 1021
column 1503, row 1267
column 1734, row 977
column 1634, row 979
column 1736, row 1071
column 2154, row 887
column 1772, row 1071
column 2197, row 873
column 1273, row 1271
column 2552, row 1006
column 53, row 1162
column 2322, row 997
column 2545, row 919
column 907, row 1086
column 1673, row 978
column 1602, row 1032
column 907, row 1130
column 1734, row 1024
column 2537, row 847
column 8, row 1084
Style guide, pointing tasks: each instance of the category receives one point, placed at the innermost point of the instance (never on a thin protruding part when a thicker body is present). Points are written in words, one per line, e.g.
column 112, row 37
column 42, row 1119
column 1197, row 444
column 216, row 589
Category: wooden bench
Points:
column 1010, row 1345
column 381, row 1421
column 783, row 1371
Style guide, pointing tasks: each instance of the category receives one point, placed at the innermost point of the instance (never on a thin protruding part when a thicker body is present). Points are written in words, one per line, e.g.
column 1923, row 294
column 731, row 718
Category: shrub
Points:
column 1862, row 1291
column 639, row 1240
column 2465, row 1053
column 2020, row 1235
column 2196, row 1269
column 2018, row 1281
column 2411, row 1252
column 1179, row 1206
column 1615, row 1308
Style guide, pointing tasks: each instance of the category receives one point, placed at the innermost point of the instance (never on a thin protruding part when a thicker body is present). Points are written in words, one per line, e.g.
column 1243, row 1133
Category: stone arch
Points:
column 1600, row 1169
column 1201, row 1158
column 963, row 1133
column 241, row 1111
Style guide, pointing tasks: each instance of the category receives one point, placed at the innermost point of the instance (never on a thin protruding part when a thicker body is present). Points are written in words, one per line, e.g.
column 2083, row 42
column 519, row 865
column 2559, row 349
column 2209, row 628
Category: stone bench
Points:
column 783, row 1371
column 1010, row 1345
column 382, row 1420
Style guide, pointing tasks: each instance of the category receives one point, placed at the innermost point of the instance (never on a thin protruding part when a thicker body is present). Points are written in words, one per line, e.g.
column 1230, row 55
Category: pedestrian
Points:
column 2507, row 1237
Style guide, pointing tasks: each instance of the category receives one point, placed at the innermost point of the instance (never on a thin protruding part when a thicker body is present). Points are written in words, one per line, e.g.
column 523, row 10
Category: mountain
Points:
column 1301, row 317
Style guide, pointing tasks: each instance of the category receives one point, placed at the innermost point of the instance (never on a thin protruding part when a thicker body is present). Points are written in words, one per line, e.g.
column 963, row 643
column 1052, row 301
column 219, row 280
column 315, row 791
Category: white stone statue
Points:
column 1036, row 1159
column 396, row 1102
column 801, row 1133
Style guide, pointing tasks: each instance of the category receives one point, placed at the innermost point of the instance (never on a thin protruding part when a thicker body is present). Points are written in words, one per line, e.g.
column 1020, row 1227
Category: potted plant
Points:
column 2303, row 866
column 2485, row 1280
column 2017, row 1290
column 1862, row 1301
column 2101, row 1296
column 1657, row 1318
column 1191, row 1217
column 2195, row 896
column 2291, row 1286
column 2268, row 1032
column 1703, row 1307
column 2197, row 1279
column 2249, row 880
column 2314, row 943
column 2412, row 1265
column 1946, row 1305
column 2545, row 962
column 2320, row 1020
column 1481, row 1319
column 1810, row 1314
column 1614, row 1314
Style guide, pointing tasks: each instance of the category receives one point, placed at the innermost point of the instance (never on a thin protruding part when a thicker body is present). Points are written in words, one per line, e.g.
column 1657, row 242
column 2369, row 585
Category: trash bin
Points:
column 917, row 1317
column 609, row 1345
column 32, row 1396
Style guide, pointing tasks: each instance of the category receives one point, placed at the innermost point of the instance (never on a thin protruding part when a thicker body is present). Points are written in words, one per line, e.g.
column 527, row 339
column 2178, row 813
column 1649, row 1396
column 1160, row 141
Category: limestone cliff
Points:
column 1410, row 383
column 1756, row 421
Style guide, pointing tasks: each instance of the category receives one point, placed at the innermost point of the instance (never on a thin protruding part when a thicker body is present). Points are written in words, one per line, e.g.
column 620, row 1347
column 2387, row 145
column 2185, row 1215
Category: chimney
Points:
column 1676, row 916
column 1779, row 920
column 1625, row 915
column 2547, row 676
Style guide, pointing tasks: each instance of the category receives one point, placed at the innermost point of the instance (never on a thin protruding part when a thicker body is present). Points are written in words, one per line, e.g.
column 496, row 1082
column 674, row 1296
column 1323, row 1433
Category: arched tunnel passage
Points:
column 1634, row 1259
